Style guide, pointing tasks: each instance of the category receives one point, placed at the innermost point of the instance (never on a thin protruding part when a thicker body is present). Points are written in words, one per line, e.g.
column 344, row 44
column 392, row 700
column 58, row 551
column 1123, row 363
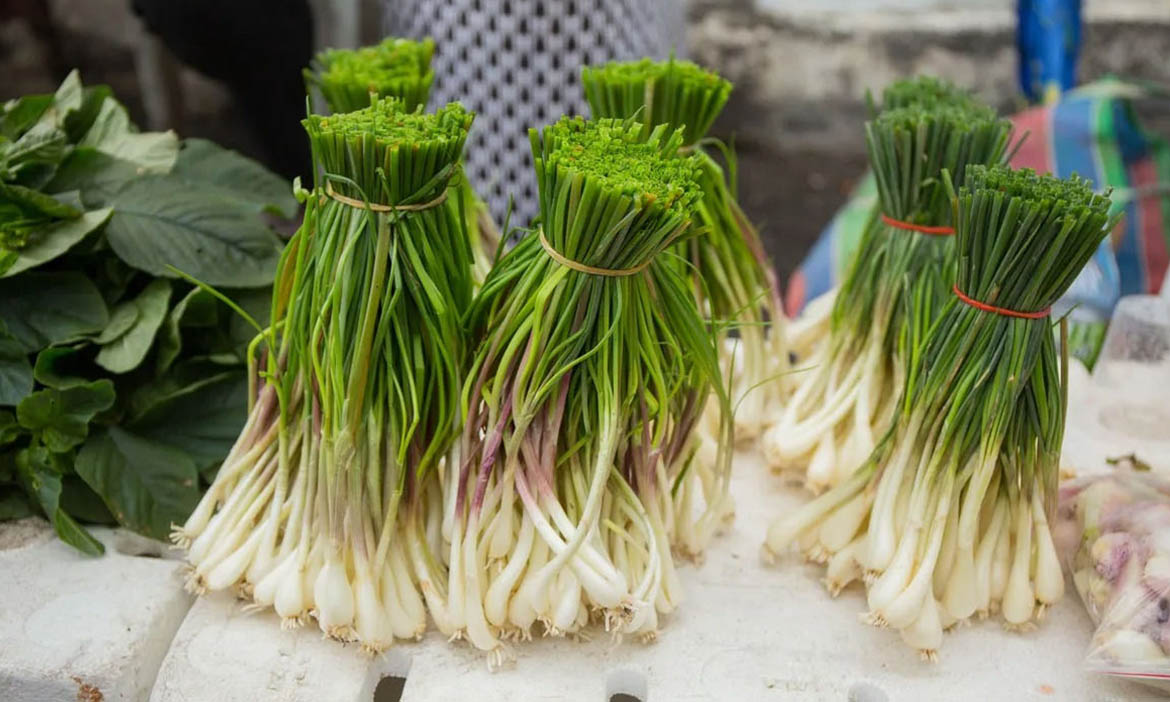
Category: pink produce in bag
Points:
column 1113, row 535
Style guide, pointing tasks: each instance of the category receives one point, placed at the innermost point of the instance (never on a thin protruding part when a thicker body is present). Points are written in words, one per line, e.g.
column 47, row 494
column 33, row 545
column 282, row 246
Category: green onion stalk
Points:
column 349, row 79
column 330, row 498
column 811, row 328
column 850, row 386
column 734, row 280
column 346, row 78
column 592, row 369
column 948, row 518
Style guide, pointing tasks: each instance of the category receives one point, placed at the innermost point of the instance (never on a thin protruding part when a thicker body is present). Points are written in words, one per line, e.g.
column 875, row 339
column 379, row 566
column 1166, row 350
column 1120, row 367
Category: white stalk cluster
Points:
column 842, row 403
column 582, row 547
column 933, row 545
column 276, row 528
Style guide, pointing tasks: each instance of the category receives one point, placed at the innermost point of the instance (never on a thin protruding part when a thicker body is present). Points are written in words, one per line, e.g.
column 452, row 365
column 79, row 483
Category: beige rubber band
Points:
column 582, row 268
column 374, row 207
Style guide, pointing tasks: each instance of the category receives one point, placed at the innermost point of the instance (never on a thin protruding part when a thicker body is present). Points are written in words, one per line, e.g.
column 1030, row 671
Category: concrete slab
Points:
column 73, row 627
column 225, row 654
column 746, row 632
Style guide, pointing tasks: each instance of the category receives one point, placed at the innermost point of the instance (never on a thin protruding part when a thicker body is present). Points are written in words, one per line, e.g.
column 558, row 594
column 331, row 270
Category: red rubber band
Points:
column 922, row 229
column 999, row 310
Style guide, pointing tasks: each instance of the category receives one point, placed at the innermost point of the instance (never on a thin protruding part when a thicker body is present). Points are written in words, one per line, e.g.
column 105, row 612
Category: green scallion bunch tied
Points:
column 848, row 395
column 921, row 90
column 347, row 78
column 810, row 329
column 948, row 517
column 735, row 282
column 592, row 369
column 323, row 506
column 401, row 68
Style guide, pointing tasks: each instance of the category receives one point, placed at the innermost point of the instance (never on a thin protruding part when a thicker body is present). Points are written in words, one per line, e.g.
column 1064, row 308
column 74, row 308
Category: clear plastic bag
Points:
column 1113, row 534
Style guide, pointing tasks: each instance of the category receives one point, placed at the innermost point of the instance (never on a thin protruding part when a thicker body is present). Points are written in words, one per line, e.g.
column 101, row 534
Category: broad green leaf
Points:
column 9, row 431
column 202, row 326
column 111, row 123
column 16, row 377
column 170, row 341
column 22, row 113
column 208, row 472
column 186, row 375
column 165, row 221
column 62, row 417
column 80, row 501
column 127, row 351
column 56, row 240
column 203, row 418
column 112, row 276
column 72, row 200
column 43, row 309
column 77, row 122
column 256, row 302
column 42, row 142
column 35, row 203
column 33, row 158
column 114, row 135
column 42, row 478
column 122, row 317
column 69, row 95
column 58, row 367
column 235, row 177
column 14, row 504
column 97, row 175
column 147, row 486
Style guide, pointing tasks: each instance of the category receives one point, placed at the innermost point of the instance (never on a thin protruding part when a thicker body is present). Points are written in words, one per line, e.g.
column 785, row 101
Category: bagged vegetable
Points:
column 1113, row 535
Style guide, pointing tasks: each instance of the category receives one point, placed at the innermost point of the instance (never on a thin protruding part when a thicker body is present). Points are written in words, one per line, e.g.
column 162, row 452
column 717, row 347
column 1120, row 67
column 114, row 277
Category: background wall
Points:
column 801, row 70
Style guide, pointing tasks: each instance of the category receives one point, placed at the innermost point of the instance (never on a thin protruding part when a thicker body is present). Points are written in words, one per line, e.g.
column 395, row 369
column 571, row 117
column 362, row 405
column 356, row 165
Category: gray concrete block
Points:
column 225, row 654
column 745, row 632
column 73, row 627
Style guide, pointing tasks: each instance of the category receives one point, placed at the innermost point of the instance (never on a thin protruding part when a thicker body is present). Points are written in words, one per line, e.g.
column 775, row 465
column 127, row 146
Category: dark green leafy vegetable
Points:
column 121, row 387
column 165, row 221
column 144, row 483
column 42, row 309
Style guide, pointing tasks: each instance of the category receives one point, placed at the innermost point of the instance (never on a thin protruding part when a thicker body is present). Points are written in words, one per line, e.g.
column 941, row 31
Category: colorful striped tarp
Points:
column 1092, row 132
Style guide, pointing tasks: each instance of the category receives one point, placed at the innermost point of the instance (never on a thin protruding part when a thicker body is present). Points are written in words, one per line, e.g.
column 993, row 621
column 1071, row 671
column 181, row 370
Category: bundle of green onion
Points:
column 850, row 385
column 593, row 367
column 735, row 282
column 811, row 327
column 948, row 517
column 919, row 90
column 349, row 79
column 317, row 510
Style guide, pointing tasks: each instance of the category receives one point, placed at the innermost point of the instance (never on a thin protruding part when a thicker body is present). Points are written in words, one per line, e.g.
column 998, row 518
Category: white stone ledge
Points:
column 745, row 632
column 73, row 626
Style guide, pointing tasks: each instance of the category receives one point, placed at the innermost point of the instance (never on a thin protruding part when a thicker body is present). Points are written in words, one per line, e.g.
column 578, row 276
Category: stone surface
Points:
column 74, row 627
column 1105, row 424
column 223, row 653
column 746, row 632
